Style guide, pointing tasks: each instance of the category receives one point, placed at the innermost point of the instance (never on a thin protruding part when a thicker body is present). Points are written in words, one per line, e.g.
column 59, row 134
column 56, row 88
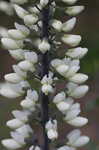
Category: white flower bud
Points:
column 79, row 78
column 21, row 115
column 31, row 56
column 56, row 62
column 29, row 20
column 76, row 140
column 19, row 2
column 62, row 69
column 6, row 7
column 43, row 3
column 18, row 138
column 66, row 148
column 13, row 77
column 17, row 54
column 81, row 141
column 63, row 106
column 47, row 88
column 59, row 97
column 3, row 32
column 27, row 104
column 78, row 121
column 7, row 91
column 74, row 10
column 14, row 123
column 56, row 24
column 72, row 71
column 69, row 25
column 25, row 131
column 44, row 46
column 34, row 9
column 18, row 71
column 71, row 40
column 11, row 144
column 34, row 148
column 52, row 134
column 80, row 91
column 77, row 53
column 11, row 44
column 20, row 11
column 69, row 1
column 32, row 95
column 16, row 34
column 26, row 66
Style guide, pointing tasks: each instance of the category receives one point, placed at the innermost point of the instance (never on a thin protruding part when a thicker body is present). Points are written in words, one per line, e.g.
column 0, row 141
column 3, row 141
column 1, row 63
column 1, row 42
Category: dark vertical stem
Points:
column 45, row 71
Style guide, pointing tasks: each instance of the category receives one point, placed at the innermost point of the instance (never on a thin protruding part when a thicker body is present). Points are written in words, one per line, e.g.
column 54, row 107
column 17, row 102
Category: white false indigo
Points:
column 40, row 20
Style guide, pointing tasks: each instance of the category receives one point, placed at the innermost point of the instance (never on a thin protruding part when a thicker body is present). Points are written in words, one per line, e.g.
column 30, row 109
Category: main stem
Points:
column 45, row 71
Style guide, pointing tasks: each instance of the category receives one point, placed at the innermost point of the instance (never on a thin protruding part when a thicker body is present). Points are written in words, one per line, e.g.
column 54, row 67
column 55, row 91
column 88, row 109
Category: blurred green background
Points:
column 88, row 27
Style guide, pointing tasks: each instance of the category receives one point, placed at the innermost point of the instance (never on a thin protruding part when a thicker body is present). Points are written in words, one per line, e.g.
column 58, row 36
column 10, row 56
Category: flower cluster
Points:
column 34, row 46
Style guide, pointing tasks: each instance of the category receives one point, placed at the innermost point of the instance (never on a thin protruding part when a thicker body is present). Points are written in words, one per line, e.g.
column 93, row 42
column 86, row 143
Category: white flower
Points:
column 66, row 148
column 25, row 131
column 74, row 10
column 26, row 66
column 6, row 8
column 13, row 77
column 18, row 138
column 32, row 95
column 43, row 3
column 20, row 11
column 27, row 104
column 34, row 148
column 10, row 92
column 63, row 106
column 77, row 53
column 69, row 1
column 30, row 19
column 78, row 121
column 59, row 97
column 16, row 34
column 11, row 44
column 56, row 24
column 19, row 71
column 44, row 46
column 3, row 32
column 78, row 78
column 31, row 56
column 76, row 139
column 47, row 88
column 34, row 9
column 51, row 127
column 62, row 69
column 11, row 144
column 21, row 115
column 78, row 91
column 71, row 40
column 14, row 123
column 20, row 2
column 52, row 134
column 69, row 25
column 17, row 54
